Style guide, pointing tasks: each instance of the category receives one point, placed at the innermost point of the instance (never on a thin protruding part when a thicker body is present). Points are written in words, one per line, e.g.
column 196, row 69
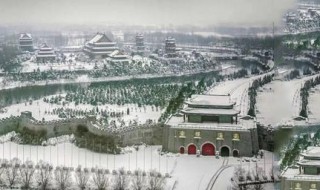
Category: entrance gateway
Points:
column 208, row 149
column 192, row 149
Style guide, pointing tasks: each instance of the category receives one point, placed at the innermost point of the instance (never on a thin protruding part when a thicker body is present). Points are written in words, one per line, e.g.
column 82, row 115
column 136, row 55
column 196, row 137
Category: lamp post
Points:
column 85, row 155
column 129, row 160
column 144, row 158
column 10, row 151
column 92, row 154
column 107, row 156
column 50, row 154
column 136, row 159
column 37, row 154
column 100, row 155
column 151, row 156
column 64, row 153
column 57, row 154
column 114, row 160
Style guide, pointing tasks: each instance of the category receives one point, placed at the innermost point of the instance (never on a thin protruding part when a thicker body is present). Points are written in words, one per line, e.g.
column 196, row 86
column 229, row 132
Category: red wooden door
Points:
column 192, row 149
column 208, row 150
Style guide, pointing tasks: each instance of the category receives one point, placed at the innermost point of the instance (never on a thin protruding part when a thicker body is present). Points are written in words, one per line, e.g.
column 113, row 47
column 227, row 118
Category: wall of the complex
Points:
column 288, row 184
column 247, row 145
column 149, row 133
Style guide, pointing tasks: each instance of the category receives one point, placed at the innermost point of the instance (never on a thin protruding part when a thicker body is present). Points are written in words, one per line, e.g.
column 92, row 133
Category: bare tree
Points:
column 156, row 181
column 100, row 179
column 82, row 177
column 63, row 177
column 26, row 172
column 44, row 175
column 238, row 177
column 11, row 171
column 2, row 180
column 121, row 180
column 138, row 181
column 258, row 186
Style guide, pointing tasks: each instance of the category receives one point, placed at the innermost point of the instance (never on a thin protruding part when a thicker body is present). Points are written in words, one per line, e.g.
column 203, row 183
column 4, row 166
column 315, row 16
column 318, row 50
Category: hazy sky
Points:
column 145, row 12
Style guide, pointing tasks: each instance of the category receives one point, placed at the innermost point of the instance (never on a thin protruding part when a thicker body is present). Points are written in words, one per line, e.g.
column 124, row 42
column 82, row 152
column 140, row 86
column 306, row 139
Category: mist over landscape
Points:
column 160, row 94
column 165, row 13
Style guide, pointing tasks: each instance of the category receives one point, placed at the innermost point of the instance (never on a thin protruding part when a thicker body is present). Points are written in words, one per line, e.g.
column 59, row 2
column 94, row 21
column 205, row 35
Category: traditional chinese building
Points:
column 210, row 125
column 45, row 54
column 140, row 43
column 306, row 174
column 100, row 46
column 26, row 42
column 118, row 56
column 170, row 47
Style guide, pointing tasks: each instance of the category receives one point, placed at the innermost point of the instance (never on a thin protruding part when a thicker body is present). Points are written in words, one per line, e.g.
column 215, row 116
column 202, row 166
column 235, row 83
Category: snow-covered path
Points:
column 314, row 104
column 238, row 90
column 279, row 101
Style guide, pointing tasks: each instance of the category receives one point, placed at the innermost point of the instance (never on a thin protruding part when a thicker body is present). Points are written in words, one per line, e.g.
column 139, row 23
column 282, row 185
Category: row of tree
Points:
column 252, row 92
column 191, row 88
column 304, row 95
column 27, row 175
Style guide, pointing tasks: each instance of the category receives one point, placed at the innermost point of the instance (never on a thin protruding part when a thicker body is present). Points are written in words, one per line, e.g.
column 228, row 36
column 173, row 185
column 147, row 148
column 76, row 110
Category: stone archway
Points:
column 192, row 149
column 181, row 150
column 235, row 153
column 225, row 151
column 208, row 149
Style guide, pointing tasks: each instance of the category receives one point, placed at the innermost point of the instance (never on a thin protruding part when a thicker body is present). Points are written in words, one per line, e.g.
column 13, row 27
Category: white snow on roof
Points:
column 97, row 38
column 312, row 151
column 220, row 100
column 242, row 125
column 25, row 36
column 199, row 111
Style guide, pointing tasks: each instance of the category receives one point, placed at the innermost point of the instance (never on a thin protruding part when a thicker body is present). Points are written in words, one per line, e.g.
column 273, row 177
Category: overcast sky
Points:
column 145, row 12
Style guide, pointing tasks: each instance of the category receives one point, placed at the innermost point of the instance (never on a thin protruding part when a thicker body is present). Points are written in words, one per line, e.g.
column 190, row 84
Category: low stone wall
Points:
column 148, row 133
column 53, row 128
column 151, row 135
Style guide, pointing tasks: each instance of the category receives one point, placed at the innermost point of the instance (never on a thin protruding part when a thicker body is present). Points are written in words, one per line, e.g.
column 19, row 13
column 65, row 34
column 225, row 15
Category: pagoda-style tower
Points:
column 26, row 42
column 140, row 43
column 45, row 54
column 170, row 47
column 99, row 46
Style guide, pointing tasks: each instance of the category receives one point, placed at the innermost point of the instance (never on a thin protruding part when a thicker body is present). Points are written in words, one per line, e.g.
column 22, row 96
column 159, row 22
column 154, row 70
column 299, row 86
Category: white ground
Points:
column 279, row 102
column 223, row 181
column 30, row 66
column 39, row 107
column 314, row 104
column 238, row 90
column 187, row 171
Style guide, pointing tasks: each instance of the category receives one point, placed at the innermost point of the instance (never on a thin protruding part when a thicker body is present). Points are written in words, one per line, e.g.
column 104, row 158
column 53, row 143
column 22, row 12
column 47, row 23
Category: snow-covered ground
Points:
column 279, row 102
column 314, row 104
column 4, row 84
column 30, row 66
column 238, row 90
column 187, row 171
column 223, row 181
column 41, row 109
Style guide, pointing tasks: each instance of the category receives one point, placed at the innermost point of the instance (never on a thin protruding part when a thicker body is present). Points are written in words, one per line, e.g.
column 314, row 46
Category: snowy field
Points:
column 41, row 109
column 279, row 102
column 71, row 64
column 314, row 104
column 187, row 171
column 29, row 66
